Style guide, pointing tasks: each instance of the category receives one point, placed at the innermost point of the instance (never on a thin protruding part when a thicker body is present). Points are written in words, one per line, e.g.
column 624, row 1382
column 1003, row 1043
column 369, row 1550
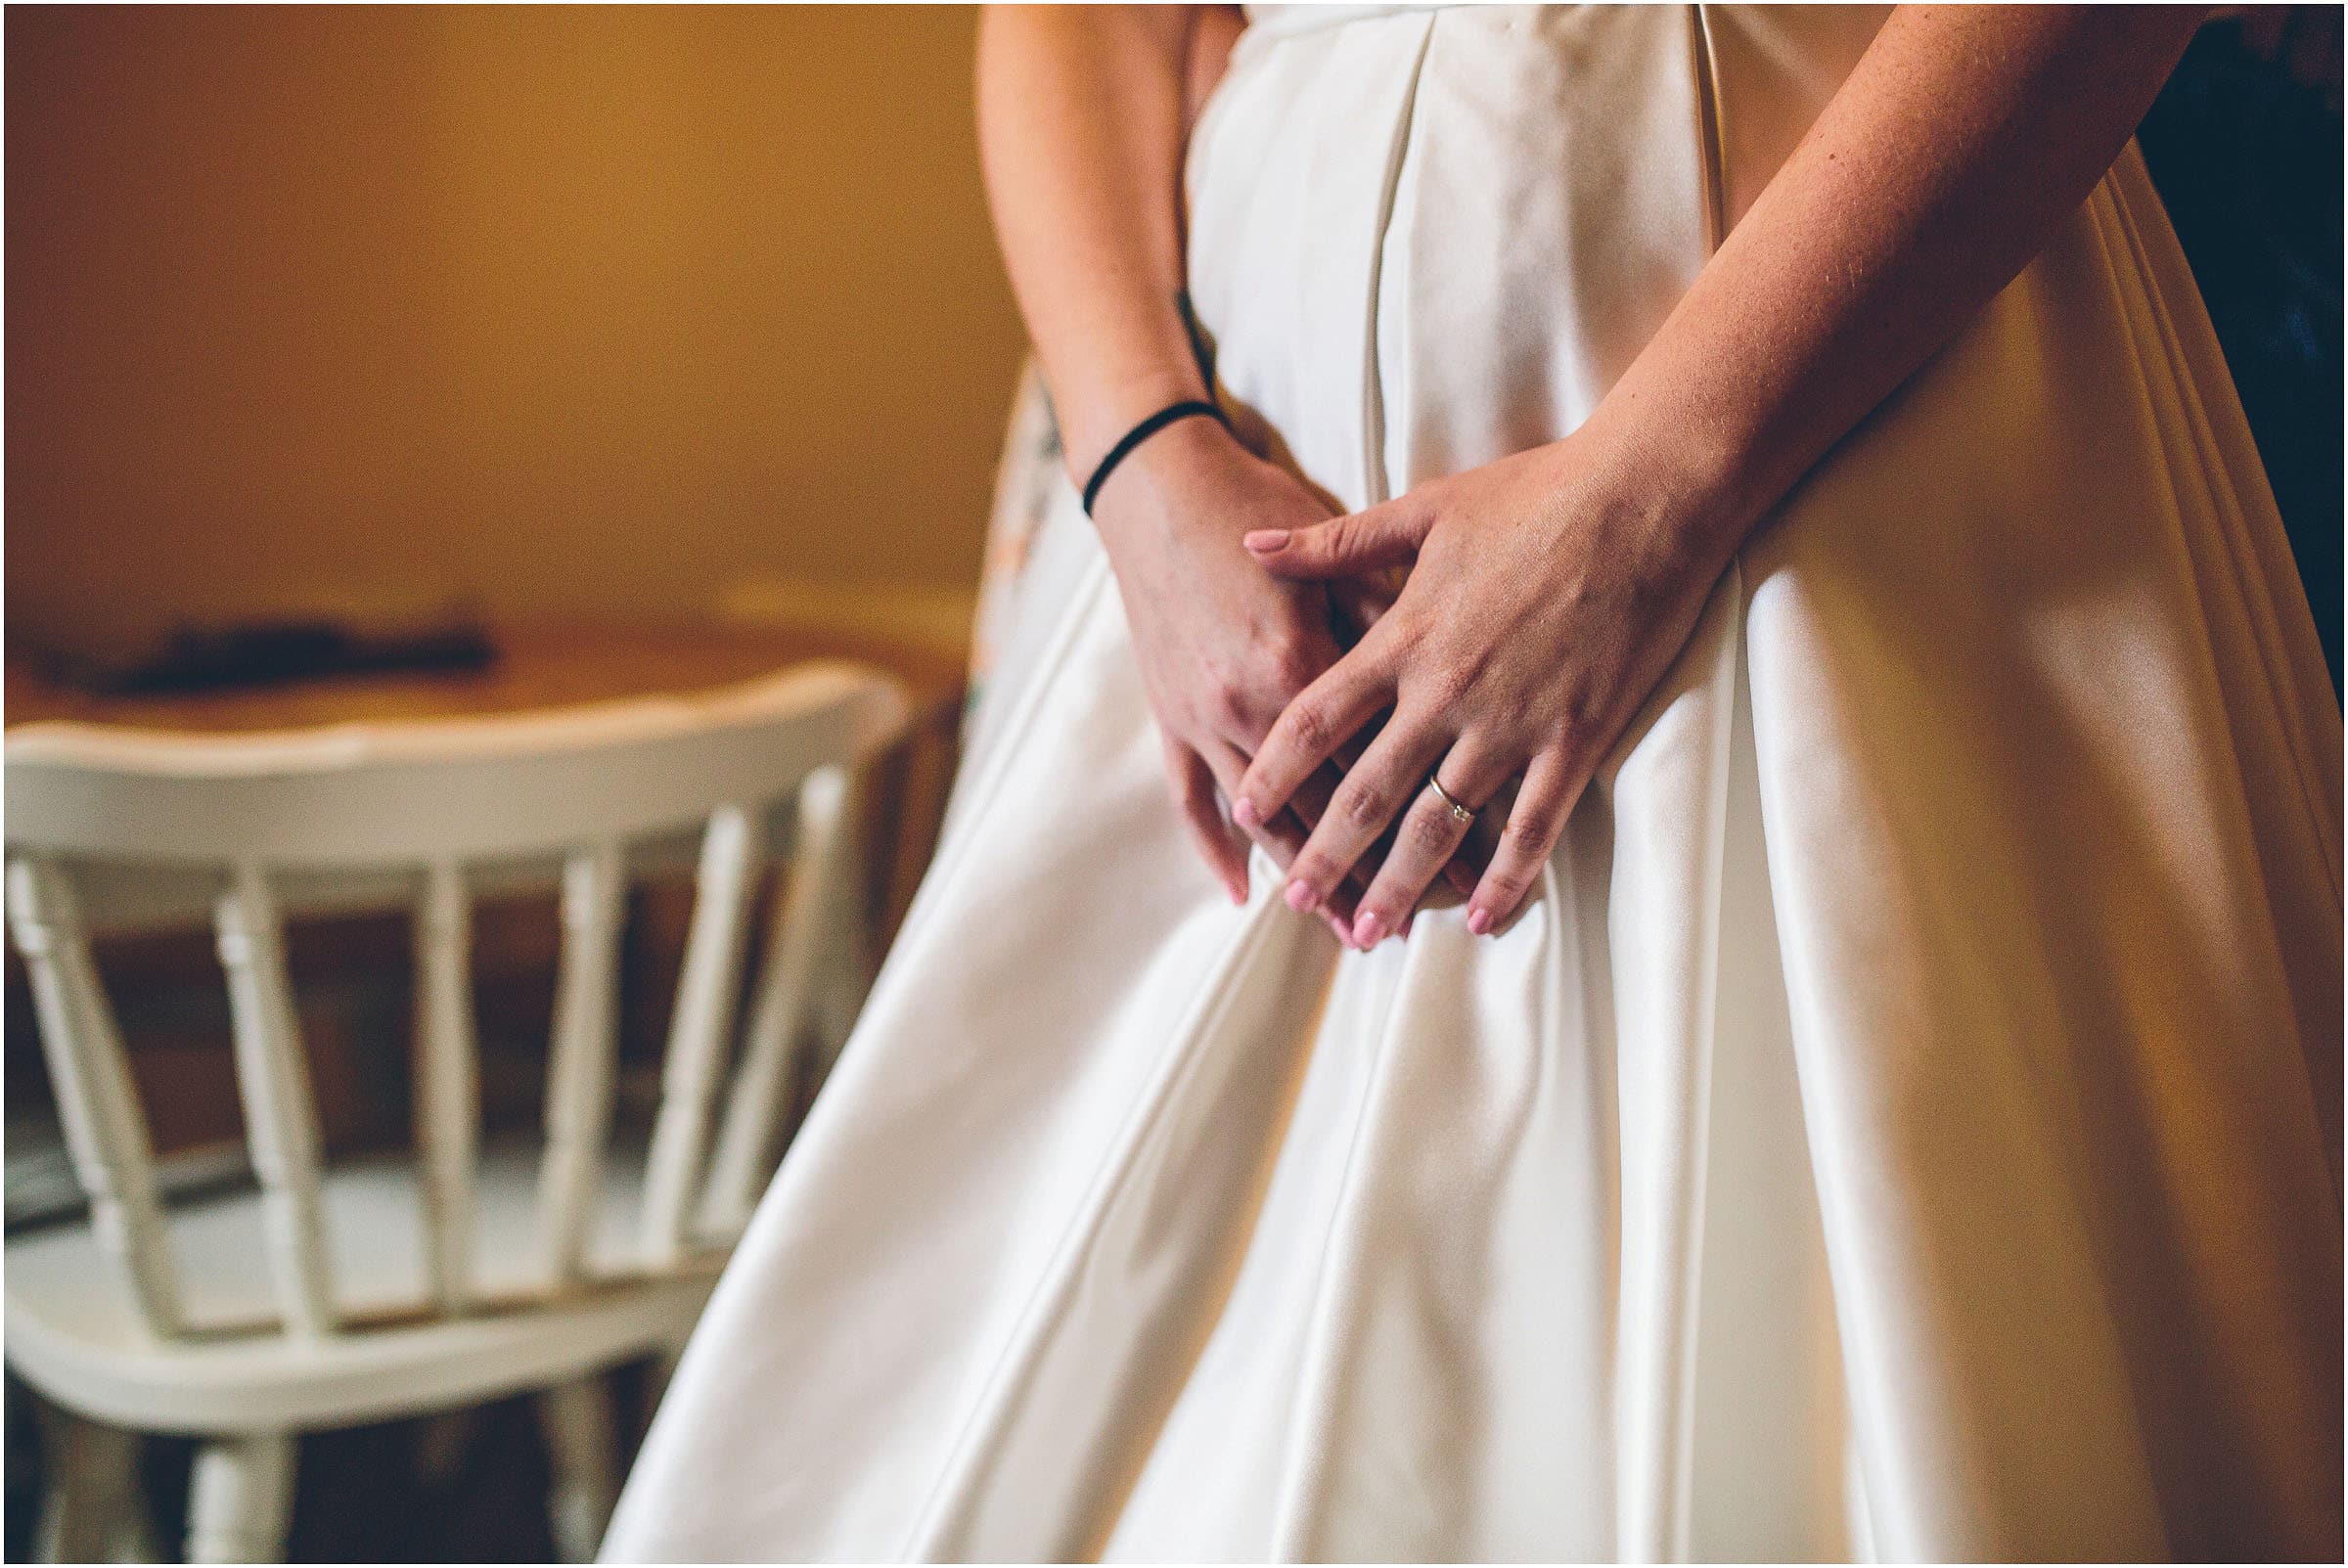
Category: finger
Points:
column 1225, row 848
column 1534, row 824
column 1365, row 870
column 1387, row 535
column 1283, row 836
column 1306, row 806
column 1374, row 792
column 1309, row 805
column 1320, row 719
column 1429, row 833
column 1466, row 866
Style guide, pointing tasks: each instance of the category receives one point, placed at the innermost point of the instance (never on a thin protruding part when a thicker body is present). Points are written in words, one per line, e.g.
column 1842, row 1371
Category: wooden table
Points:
column 537, row 667
column 541, row 666
column 166, row 979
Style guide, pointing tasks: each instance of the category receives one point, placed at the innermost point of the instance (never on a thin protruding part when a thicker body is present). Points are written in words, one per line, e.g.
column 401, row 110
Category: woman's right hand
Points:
column 1083, row 115
column 1223, row 645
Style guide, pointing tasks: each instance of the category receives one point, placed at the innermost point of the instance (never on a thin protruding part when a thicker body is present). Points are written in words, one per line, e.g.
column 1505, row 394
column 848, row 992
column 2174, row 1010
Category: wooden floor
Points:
column 536, row 666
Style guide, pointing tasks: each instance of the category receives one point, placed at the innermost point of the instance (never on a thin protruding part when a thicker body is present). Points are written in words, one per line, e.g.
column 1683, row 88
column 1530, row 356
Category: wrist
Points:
column 1100, row 419
column 1693, row 496
column 1164, row 464
column 1133, row 440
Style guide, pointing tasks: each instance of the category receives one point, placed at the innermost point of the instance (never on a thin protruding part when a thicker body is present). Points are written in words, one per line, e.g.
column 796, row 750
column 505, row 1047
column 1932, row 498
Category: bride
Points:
column 1744, row 955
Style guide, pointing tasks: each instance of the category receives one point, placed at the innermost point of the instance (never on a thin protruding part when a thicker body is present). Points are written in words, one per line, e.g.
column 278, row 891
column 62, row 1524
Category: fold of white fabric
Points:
column 1905, row 1121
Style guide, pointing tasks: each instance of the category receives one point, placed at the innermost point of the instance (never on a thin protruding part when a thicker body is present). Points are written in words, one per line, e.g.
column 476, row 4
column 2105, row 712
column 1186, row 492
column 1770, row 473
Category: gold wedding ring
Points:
column 1459, row 813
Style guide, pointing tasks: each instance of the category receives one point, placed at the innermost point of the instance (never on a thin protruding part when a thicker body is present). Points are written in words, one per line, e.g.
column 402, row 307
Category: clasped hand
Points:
column 1544, row 602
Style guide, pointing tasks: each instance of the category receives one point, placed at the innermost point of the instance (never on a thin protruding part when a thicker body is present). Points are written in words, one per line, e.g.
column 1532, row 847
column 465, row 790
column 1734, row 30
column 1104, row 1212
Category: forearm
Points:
column 1082, row 116
column 1940, row 168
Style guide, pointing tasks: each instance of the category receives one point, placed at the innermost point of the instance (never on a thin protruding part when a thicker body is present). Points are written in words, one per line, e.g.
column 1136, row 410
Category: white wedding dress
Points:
column 1906, row 1121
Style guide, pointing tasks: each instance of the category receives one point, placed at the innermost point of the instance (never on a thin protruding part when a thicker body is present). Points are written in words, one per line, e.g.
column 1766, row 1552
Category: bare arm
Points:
column 1962, row 138
column 1083, row 115
column 1936, row 172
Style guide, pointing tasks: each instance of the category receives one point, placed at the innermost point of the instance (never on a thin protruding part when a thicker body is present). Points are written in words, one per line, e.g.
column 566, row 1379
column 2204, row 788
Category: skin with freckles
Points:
column 1549, row 592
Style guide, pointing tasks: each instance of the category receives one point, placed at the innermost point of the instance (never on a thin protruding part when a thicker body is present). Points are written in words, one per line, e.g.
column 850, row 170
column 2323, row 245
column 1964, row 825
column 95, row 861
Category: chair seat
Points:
column 72, row 1333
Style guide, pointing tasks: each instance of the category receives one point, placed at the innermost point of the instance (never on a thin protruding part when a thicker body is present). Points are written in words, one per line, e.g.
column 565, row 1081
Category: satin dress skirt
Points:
column 1905, row 1122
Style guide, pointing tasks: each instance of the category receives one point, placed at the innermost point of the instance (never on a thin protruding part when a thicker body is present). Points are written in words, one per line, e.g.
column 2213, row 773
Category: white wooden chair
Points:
column 332, row 1296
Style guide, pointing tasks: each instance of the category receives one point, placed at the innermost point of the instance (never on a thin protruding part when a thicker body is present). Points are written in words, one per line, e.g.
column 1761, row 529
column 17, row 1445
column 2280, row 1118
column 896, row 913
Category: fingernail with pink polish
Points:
column 1266, row 540
column 1480, row 920
column 1300, row 897
column 1368, row 929
column 1244, row 813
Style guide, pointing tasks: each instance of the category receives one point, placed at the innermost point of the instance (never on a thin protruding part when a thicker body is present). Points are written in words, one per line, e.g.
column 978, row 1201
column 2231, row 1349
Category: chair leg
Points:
column 240, row 1499
column 93, row 1510
column 578, row 1424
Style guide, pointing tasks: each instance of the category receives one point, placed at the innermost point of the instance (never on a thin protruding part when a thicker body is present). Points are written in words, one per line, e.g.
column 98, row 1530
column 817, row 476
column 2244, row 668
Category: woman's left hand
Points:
column 1547, row 596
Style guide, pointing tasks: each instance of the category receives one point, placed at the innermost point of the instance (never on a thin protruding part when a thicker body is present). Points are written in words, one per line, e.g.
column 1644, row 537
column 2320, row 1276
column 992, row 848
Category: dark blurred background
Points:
column 2244, row 146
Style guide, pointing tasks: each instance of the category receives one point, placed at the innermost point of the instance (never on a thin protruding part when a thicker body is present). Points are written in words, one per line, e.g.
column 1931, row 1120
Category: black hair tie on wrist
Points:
column 1189, row 409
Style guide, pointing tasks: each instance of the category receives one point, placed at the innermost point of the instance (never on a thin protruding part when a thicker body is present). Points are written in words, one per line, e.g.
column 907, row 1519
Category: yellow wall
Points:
column 570, row 311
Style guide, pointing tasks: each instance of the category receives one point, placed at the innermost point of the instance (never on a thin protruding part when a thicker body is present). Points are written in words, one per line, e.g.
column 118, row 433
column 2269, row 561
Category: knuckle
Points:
column 1309, row 725
column 1508, row 883
column 1363, row 803
column 1430, row 830
column 1447, row 684
column 1227, row 705
column 1531, row 828
column 1402, row 634
column 1584, row 718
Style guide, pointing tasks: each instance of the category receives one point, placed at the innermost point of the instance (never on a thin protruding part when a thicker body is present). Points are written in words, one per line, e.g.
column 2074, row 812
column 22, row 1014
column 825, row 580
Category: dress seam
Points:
column 1711, row 137
column 1375, row 488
